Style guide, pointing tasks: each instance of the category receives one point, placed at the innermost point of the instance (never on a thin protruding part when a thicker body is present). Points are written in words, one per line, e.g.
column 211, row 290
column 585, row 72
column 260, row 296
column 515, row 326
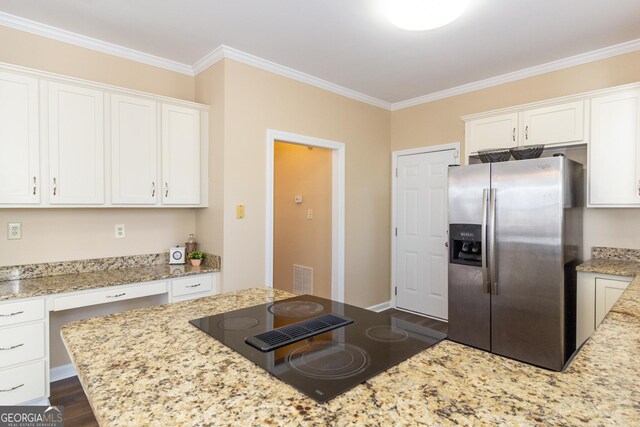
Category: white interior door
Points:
column 421, row 255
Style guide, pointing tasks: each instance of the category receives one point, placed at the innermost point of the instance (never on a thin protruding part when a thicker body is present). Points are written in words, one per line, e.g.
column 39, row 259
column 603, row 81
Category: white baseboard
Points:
column 42, row 401
column 380, row 307
column 61, row 372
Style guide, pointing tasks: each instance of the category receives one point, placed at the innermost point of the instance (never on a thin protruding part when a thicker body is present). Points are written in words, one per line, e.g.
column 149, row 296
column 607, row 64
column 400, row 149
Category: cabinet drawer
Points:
column 22, row 384
column 21, row 344
column 192, row 285
column 21, row 311
column 108, row 295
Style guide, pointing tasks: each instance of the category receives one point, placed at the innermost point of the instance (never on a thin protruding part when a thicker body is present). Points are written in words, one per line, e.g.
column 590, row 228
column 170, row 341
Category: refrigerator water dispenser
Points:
column 466, row 244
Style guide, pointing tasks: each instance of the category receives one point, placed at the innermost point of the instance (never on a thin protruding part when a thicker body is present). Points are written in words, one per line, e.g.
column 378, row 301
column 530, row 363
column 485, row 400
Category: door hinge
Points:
column 396, row 231
column 396, row 172
column 396, row 291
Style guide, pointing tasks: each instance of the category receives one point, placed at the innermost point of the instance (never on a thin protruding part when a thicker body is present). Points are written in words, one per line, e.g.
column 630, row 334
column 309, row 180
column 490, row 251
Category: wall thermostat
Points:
column 177, row 255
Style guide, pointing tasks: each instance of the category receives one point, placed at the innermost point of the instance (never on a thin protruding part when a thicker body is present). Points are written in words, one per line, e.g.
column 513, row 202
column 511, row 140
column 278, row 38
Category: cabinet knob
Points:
column 34, row 185
column 55, row 187
column 513, row 134
column 166, row 189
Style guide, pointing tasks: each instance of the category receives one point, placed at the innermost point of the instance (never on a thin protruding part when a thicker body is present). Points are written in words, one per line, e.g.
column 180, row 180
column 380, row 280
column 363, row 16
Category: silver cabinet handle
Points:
column 34, row 185
column 166, row 189
column 193, row 286
column 11, row 389
column 513, row 134
column 153, row 189
column 492, row 243
column 55, row 187
column 117, row 295
column 12, row 314
column 486, row 281
column 526, row 132
column 11, row 348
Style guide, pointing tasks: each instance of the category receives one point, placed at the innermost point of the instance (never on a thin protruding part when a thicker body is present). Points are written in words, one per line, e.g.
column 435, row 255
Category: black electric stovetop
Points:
column 328, row 364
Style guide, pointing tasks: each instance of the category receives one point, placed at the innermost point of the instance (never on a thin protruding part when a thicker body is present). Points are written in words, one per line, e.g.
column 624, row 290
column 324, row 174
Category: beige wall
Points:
column 64, row 234
column 256, row 100
column 439, row 122
column 299, row 170
column 210, row 90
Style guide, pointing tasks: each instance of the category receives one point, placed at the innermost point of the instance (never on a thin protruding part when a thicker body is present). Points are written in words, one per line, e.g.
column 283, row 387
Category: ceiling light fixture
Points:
column 419, row 15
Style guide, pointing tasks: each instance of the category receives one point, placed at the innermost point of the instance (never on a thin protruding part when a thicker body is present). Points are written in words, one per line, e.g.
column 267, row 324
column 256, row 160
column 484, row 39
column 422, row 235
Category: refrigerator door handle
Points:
column 486, row 281
column 492, row 243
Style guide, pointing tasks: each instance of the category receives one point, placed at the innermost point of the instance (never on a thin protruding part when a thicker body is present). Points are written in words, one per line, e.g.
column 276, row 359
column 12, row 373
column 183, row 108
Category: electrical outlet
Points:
column 14, row 230
column 120, row 231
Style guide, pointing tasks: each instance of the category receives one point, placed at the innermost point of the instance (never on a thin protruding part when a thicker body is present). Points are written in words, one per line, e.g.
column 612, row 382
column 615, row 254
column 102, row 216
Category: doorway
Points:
column 307, row 214
column 302, row 219
column 419, row 254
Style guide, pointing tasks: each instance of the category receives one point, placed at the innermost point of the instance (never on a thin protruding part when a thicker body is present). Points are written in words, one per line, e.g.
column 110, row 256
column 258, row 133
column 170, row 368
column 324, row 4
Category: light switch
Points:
column 239, row 211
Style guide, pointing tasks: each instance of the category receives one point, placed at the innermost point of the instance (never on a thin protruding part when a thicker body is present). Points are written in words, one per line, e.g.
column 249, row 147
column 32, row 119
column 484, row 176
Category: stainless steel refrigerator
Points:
column 515, row 238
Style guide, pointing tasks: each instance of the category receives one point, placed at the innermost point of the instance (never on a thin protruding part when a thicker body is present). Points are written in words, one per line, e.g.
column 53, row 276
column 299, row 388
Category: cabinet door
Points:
column 557, row 124
column 19, row 140
column 607, row 293
column 180, row 155
column 492, row 132
column 76, row 145
column 134, row 143
column 614, row 150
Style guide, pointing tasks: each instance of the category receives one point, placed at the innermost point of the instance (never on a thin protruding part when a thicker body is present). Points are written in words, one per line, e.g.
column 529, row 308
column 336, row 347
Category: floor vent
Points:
column 302, row 280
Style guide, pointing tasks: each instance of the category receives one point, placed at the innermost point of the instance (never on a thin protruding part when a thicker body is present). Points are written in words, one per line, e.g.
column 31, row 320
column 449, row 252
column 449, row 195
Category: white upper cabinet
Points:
column 614, row 150
column 76, row 145
column 134, row 152
column 556, row 124
column 180, row 155
column 553, row 124
column 19, row 140
column 492, row 132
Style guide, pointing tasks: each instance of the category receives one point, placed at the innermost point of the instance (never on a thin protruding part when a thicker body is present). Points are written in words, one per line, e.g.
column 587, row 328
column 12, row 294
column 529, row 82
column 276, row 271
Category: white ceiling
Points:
column 349, row 42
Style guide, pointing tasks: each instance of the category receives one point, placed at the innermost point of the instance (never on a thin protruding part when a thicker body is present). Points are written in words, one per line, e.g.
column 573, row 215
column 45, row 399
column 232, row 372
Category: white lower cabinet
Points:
column 24, row 328
column 23, row 351
column 108, row 295
column 23, row 383
column 194, row 287
column 596, row 294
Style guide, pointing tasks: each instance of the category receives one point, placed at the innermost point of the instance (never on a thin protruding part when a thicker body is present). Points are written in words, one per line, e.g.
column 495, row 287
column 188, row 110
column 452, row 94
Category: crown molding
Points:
column 572, row 61
column 209, row 59
column 227, row 52
column 222, row 52
column 65, row 36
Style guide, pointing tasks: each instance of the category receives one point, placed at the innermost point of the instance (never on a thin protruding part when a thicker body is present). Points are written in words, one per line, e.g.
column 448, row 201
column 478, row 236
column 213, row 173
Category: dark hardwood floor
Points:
column 420, row 320
column 77, row 412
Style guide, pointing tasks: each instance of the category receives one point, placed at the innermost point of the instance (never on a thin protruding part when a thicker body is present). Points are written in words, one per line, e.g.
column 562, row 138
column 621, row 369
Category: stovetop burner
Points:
column 296, row 308
column 326, row 364
column 240, row 323
column 386, row 334
column 328, row 360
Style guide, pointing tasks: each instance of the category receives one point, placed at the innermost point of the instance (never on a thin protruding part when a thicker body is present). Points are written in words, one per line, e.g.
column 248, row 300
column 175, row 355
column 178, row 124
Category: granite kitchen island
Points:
column 151, row 367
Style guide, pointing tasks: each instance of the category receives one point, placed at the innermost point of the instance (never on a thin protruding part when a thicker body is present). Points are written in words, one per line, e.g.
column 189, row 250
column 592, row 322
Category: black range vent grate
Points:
column 289, row 334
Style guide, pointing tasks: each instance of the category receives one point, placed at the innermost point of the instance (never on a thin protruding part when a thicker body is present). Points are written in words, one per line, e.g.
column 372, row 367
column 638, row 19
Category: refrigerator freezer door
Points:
column 527, row 305
column 469, row 305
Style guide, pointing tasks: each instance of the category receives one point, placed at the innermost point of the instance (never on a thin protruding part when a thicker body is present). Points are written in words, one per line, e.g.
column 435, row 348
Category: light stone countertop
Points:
column 151, row 367
column 49, row 285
